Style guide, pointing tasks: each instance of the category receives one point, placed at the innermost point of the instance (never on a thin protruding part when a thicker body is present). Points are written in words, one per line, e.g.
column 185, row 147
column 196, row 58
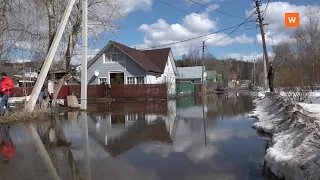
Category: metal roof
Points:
column 193, row 72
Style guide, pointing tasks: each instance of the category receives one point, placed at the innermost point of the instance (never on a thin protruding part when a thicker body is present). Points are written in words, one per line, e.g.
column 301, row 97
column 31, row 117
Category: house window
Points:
column 141, row 116
column 131, row 80
column 102, row 80
column 114, row 57
column 140, row 80
column 131, row 117
column 110, row 57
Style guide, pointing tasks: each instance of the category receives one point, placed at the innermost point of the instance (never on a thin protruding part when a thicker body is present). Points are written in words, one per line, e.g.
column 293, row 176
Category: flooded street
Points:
column 184, row 139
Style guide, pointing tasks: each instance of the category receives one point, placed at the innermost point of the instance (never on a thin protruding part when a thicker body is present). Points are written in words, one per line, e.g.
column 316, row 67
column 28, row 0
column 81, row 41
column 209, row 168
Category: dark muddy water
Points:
column 185, row 139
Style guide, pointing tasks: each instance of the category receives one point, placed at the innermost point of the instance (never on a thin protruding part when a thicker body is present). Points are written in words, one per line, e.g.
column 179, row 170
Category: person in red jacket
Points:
column 6, row 86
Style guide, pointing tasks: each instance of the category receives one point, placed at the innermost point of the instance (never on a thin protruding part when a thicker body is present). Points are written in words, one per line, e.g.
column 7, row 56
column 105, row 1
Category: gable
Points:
column 139, row 57
column 151, row 60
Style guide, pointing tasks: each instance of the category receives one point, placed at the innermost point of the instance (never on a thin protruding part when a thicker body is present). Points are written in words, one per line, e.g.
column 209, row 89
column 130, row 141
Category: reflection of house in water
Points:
column 117, row 133
column 137, row 133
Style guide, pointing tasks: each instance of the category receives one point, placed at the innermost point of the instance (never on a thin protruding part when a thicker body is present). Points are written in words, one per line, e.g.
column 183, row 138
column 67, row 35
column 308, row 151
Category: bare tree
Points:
column 307, row 44
column 103, row 15
column 298, row 60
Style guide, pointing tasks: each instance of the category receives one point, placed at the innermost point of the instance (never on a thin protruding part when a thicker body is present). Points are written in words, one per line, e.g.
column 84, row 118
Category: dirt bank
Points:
column 295, row 146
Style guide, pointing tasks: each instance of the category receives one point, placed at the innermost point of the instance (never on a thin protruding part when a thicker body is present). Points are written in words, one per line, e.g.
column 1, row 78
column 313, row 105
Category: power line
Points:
column 245, row 21
column 265, row 10
column 197, row 37
column 230, row 15
column 237, row 26
column 193, row 14
column 221, row 38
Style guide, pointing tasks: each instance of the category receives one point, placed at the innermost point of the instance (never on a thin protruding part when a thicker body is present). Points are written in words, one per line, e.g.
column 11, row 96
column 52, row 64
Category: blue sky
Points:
column 152, row 23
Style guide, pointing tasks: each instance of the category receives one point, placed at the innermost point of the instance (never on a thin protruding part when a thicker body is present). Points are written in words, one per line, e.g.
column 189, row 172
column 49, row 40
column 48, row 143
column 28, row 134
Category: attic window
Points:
column 112, row 57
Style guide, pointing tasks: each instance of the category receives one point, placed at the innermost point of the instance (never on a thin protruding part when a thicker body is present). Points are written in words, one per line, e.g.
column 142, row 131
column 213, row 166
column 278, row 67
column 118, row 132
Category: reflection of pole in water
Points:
column 204, row 121
column 42, row 151
column 87, row 169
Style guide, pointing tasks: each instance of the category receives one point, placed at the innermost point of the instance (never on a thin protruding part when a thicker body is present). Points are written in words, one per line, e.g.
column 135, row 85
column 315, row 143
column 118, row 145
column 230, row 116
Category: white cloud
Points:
column 212, row 7
column 133, row 5
column 246, row 56
column 193, row 25
column 196, row 23
column 276, row 31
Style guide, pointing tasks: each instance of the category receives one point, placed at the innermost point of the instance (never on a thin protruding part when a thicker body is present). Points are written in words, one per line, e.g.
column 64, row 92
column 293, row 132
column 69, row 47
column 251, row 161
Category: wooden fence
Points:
column 139, row 91
column 100, row 91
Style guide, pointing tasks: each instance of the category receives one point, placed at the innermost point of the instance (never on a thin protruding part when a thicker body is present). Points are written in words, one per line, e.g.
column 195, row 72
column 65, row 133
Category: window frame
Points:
column 134, row 79
column 99, row 80
column 142, row 78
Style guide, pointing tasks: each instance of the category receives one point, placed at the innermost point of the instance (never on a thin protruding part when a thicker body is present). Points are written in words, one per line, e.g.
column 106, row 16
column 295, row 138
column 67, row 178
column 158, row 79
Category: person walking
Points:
column 6, row 86
column 42, row 93
column 271, row 77
column 50, row 88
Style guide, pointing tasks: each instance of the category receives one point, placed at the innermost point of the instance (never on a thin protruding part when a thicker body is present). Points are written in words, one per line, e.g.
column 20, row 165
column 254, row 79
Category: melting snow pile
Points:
column 295, row 147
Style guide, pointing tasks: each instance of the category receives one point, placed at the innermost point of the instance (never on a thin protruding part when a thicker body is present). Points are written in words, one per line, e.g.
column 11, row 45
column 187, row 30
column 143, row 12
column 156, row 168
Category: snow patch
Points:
column 295, row 146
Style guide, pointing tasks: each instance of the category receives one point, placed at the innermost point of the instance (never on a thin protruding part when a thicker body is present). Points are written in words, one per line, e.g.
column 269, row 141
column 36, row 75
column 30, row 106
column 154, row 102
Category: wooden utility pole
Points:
column 203, row 45
column 48, row 61
column 266, row 62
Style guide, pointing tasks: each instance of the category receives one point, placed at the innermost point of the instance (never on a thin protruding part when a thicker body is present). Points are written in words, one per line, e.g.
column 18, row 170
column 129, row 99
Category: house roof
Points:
column 193, row 72
column 140, row 57
column 151, row 60
column 211, row 74
column 158, row 56
column 11, row 71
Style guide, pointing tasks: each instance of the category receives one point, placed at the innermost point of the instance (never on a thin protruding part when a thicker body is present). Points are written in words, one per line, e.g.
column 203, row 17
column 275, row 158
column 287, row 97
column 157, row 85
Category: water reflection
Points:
column 191, row 138
column 7, row 147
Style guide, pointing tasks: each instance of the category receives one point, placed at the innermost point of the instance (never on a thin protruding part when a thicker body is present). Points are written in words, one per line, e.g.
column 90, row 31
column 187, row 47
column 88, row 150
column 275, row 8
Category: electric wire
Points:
column 224, row 13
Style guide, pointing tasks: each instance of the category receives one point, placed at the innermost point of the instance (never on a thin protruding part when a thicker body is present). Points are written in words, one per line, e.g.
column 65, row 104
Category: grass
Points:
column 20, row 115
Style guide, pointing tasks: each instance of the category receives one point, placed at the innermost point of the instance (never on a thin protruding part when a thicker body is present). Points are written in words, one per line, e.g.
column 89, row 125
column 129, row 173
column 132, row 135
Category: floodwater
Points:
column 185, row 139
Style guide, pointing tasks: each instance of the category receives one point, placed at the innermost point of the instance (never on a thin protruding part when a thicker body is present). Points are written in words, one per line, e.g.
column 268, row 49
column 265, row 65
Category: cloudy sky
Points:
column 152, row 23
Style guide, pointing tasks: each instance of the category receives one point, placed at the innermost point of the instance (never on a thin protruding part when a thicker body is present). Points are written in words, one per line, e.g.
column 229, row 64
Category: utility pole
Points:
column 203, row 45
column 86, row 148
column 24, row 79
column 48, row 61
column 84, row 78
column 266, row 62
column 254, row 72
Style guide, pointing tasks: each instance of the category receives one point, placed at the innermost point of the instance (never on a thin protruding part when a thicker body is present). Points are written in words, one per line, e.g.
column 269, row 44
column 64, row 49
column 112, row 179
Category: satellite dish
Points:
column 96, row 73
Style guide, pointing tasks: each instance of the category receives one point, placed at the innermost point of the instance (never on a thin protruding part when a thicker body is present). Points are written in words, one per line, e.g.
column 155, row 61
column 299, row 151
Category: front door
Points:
column 116, row 78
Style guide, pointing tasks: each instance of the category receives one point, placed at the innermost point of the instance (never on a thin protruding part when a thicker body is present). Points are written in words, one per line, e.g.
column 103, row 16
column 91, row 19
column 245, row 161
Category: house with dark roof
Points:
column 119, row 64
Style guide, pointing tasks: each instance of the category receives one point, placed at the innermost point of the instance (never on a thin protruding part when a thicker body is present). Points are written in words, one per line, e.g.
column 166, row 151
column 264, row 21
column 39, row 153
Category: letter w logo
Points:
column 291, row 20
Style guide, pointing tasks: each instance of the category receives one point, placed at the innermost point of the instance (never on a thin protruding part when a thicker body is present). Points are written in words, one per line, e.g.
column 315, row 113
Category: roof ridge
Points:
column 159, row 69
column 155, row 49
column 124, row 45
